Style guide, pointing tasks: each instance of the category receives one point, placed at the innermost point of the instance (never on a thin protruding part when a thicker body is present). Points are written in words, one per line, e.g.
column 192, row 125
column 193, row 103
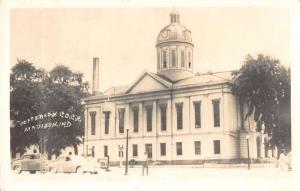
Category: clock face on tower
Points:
column 164, row 34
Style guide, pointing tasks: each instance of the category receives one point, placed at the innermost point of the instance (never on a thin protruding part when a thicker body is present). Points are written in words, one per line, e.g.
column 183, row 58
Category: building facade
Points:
column 176, row 116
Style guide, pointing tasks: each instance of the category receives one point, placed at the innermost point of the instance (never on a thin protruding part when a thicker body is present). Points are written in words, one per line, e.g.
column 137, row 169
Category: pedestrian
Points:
column 145, row 163
column 107, row 164
column 281, row 162
column 289, row 160
column 121, row 158
column 120, row 155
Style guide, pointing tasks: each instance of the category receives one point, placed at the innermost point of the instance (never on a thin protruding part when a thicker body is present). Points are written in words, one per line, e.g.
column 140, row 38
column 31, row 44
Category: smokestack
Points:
column 95, row 86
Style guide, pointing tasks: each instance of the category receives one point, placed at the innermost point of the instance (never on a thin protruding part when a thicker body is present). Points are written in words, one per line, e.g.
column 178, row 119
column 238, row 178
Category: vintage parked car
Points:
column 103, row 162
column 31, row 163
column 73, row 164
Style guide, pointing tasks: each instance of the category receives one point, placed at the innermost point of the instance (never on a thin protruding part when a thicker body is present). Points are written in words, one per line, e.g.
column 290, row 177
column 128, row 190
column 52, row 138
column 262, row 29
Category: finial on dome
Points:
column 174, row 16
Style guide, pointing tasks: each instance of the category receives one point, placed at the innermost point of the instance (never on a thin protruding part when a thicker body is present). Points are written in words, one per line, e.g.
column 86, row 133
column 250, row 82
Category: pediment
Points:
column 147, row 83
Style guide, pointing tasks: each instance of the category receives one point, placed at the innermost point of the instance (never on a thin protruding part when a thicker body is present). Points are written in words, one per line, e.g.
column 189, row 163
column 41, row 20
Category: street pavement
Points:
column 159, row 178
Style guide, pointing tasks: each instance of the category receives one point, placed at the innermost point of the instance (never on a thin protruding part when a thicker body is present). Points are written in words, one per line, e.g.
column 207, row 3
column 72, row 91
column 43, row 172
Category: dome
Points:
column 174, row 32
column 174, row 50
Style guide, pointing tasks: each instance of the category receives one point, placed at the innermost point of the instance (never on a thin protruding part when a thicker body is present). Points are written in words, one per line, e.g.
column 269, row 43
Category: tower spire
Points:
column 174, row 16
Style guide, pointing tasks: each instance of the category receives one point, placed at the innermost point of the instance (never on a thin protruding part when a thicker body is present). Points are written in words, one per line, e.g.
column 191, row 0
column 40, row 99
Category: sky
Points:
column 124, row 38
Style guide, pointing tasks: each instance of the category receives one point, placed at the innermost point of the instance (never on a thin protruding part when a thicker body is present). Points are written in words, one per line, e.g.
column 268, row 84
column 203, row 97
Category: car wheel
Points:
column 18, row 169
column 53, row 170
column 32, row 172
column 43, row 170
column 79, row 170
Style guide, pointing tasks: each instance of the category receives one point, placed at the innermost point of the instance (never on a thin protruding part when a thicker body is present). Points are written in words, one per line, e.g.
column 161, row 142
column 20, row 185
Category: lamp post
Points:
column 126, row 167
column 248, row 151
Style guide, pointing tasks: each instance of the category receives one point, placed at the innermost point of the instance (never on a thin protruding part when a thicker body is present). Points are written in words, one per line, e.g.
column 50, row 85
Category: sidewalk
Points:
column 215, row 165
column 162, row 178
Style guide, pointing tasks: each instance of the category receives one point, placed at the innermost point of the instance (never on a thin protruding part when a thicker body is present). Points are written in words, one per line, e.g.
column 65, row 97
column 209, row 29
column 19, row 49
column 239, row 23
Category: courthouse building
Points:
column 177, row 116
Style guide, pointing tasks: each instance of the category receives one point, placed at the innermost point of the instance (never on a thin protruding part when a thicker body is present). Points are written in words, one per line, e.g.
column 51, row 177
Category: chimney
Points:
column 95, row 86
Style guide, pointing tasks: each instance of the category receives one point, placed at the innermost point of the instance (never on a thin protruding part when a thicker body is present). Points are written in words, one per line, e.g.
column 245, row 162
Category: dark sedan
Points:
column 31, row 163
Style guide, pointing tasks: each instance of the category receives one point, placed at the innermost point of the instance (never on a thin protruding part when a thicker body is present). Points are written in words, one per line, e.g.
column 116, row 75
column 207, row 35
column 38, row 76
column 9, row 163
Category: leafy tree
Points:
column 25, row 100
column 263, row 84
column 66, row 89
column 35, row 91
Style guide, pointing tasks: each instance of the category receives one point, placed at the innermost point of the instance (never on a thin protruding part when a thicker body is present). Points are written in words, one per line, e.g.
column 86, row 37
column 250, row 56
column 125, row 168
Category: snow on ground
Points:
column 160, row 178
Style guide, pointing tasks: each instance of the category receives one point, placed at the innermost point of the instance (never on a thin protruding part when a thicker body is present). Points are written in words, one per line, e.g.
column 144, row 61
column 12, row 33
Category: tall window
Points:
column 179, row 148
column 121, row 120
column 148, row 149
column 163, row 117
column 197, row 147
column 149, row 118
column 135, row 119
column 106, row 114
column 105, row 150
column 173, row 58
column 165, row 59
column 162, row 149
column 216, row 110
column 217, row 147
column 197, row 106
column 179, row 115
column 182, row 58
column 93, row 122
column 134, row 150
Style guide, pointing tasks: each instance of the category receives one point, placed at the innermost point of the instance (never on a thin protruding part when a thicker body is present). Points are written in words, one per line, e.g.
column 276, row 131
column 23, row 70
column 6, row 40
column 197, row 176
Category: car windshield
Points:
column 30, row 157
column 64, row 158
column 71, row 158
column 61, row 158
column 79, row 159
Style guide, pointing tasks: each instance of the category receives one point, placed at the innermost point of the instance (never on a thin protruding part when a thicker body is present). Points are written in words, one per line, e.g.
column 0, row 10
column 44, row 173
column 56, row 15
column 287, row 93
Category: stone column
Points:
column 127, row 118
column 154, row 119
column 170, row 125
column 154, row 130
column 157, row 123
column 169, row 117
column 99, row 119
column 141, row 119
column 186, row 117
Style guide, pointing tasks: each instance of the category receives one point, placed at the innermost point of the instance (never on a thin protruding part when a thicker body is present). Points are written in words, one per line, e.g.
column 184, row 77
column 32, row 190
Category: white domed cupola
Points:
column 175, row 50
